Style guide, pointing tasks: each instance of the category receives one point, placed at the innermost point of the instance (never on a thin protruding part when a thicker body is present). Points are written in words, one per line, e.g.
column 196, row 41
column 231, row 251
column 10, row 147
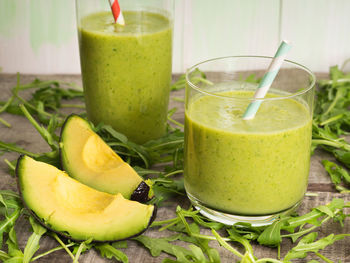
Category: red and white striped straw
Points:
column 117, row 12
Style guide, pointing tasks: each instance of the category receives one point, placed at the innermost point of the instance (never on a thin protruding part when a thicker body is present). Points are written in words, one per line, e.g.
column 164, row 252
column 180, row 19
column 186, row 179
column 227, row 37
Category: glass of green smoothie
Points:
column 247, row 170
column 126, row 70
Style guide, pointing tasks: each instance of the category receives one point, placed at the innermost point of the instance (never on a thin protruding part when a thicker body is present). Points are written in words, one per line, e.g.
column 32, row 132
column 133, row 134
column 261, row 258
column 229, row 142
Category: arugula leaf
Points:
column 51, row 251
column 197, row 239
column 33, row 241
column 9, row 147
column 308, row 244
column 234, row 236
column 158, row 245
column 324, row 213
column 120, row 244
column 16, row 255
column 110, row 252
column 271, row 236
column 342, row 156
column 46, row 98
column 84, row 246
column 10, row 201
column 164, row 188
column 7, row 224
column 333, row 100
column 223, row 243
column 197, row 257
column 63, row 245
column 47, row 136
column 338, row 175
column 2, row 201
column 4, row 256
column 332, row 115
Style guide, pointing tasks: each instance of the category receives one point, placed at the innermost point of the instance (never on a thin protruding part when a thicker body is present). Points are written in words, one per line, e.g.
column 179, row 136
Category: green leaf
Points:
column 4, row 256
column 247, row 258
column 11, row 203
column 51, row 139
column 120, row 244
column 117, row 135
column 344, row 157
column 168, row 260
column 181, row 258
column 33, row 241
column 197, row 253
column 326, row 210
column 338, row 174
column 307, row 245
column 110, row 252
column 9, row 193
column 223, row 243
column 83, row 247
column 13, row 148
column 7, row 224
column 37, row 228
column 271, row 236
column 214, row 255
column 165, row 188
column 15, row 259
column 235, row 236
column 13, row 250
column 63, row 245
column 2, row 201
column 312, row 216
column 158, row 245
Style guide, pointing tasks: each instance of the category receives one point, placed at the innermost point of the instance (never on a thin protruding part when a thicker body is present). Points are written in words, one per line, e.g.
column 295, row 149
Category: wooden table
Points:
column 24, row 135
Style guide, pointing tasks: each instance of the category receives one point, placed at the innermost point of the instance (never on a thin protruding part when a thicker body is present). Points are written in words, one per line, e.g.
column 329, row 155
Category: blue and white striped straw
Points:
column 267, row 80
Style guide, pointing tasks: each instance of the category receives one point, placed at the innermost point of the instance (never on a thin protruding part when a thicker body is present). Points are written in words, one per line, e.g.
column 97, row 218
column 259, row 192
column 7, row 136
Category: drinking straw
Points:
column 267, row 80
column 117, row 12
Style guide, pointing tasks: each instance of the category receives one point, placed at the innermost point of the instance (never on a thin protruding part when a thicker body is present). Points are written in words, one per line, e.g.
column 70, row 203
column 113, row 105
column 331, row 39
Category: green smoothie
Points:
column 126, row 72
column 254, row 167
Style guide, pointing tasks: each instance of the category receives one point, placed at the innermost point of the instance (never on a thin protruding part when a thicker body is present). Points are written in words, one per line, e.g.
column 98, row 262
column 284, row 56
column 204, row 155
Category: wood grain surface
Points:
column 24, row 135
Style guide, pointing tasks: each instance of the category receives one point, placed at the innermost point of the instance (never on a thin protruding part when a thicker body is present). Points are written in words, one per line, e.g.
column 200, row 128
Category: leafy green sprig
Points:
column 45, row 101
column 293, row 227
column 331, row 121
column 333, row 102
column 340, row 176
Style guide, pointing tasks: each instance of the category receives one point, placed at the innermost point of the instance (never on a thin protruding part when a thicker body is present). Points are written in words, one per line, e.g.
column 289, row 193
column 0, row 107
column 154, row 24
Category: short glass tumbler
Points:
column 247, row 170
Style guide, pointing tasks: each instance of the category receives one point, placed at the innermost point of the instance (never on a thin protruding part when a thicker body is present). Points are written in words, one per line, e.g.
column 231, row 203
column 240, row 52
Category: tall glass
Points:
column 247, row 170
column 126, row 70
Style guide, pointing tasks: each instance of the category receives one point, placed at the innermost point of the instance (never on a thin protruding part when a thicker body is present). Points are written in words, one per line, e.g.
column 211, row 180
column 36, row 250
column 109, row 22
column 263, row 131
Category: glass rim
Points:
column 292, row 95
